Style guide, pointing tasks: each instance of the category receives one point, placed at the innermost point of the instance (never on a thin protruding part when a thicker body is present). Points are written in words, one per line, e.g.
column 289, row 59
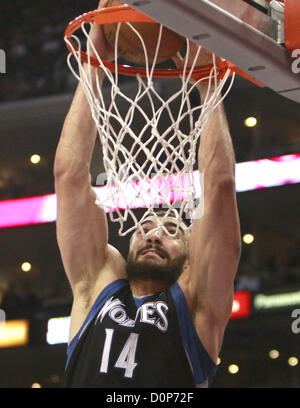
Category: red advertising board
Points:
column 241, row 304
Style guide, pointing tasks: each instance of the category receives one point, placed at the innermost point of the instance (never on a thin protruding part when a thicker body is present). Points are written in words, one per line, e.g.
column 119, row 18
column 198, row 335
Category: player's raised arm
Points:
column 215, row 237
column 81, row 226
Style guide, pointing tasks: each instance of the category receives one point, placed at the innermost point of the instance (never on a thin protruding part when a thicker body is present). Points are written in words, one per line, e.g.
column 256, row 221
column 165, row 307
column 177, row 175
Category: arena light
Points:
column 58, row 330
column 26, row 266
column 36, row 385
column 55, row 378
column 233, row 369
column 250, row 122
column 35, row 159
column 14, row 333
column 273, row 354
column 254, row 175
column 293, row 361
column 248, row 239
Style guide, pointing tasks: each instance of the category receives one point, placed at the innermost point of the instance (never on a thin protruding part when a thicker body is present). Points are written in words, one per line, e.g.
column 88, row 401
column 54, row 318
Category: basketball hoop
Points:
column 152, row 162
column 125, row 14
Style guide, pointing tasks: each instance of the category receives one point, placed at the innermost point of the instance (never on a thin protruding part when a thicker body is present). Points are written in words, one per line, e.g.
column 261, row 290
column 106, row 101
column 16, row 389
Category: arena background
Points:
column 35, row 94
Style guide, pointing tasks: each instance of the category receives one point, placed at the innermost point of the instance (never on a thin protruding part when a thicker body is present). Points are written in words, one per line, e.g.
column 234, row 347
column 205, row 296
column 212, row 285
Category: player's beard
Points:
column 147, row 269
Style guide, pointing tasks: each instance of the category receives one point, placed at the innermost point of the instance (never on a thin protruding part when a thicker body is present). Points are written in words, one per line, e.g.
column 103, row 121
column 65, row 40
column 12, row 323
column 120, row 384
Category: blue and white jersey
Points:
column 128, row 342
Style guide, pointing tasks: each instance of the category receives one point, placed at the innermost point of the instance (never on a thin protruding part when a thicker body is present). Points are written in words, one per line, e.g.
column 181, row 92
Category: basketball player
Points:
column 158, row 319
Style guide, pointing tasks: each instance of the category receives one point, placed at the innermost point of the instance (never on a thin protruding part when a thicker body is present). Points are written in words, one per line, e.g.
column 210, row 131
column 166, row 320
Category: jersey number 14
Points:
column 126, row 358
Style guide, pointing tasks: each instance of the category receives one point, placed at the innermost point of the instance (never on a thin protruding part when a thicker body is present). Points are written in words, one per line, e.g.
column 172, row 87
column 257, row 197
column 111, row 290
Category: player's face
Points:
column 157, row 255
column 158, row 246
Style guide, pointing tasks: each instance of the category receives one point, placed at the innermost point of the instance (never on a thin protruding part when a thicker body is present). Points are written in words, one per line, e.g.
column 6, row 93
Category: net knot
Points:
column 115, row 88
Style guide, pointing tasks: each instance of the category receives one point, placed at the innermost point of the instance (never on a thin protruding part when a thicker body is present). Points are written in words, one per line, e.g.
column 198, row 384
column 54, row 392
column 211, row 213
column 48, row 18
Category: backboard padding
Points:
column 235, row 30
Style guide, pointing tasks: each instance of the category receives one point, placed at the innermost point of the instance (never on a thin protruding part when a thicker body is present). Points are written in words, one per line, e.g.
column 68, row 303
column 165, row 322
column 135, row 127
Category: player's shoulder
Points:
column 114, row 255
column 115, row 265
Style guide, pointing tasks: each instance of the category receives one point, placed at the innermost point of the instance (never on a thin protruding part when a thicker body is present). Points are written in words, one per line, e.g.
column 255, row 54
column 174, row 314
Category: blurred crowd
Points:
column 18, row 299
column 24, row 297
column 32, row 38
column 274, row 275
column 11, row 188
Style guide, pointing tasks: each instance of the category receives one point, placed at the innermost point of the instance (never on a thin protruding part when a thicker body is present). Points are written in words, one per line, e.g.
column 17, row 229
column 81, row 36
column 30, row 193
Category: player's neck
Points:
column 146, row 287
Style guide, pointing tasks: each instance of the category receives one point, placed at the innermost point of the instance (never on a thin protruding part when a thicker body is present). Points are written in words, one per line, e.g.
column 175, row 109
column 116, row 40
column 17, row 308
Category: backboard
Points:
column 235, row 30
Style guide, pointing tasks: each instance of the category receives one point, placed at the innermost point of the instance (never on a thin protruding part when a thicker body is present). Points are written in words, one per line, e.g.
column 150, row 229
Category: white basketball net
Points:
column 154, row 166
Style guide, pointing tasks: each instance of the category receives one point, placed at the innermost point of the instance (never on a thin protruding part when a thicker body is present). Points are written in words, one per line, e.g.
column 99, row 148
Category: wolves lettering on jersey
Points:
column 153, row 313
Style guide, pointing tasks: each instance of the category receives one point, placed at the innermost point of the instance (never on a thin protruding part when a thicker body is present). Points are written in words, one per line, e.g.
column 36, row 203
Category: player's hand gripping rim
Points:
column 204, row 58
column 105, row 51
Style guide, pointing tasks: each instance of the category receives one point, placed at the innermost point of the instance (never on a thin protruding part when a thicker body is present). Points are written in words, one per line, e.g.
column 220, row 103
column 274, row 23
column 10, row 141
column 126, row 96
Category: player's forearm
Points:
column 216, row 159
column 77, row 141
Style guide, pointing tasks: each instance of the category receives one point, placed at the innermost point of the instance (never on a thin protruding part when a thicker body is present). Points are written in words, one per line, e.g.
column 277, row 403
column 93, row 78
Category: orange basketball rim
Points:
column 120, row 14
